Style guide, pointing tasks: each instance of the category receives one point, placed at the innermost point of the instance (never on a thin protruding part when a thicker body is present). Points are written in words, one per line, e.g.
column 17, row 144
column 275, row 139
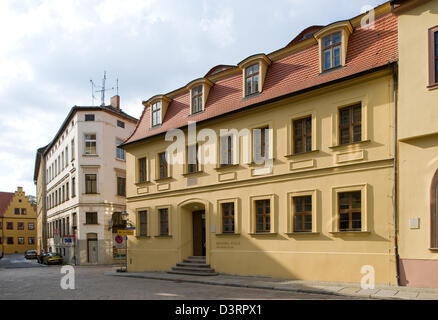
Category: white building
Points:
column 85, row 187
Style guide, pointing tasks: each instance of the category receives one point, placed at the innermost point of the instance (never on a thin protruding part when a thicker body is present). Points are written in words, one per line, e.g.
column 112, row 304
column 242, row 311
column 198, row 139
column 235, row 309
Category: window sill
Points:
column 156, row 126
column 227, row 234
column 143, row 184
column 120, row 196
column 90, row 155
column 432, row 87
column 289, row 156
column 91, row 194
column 256, row 234
column 256, row 165
column 252, row 95
column 353, row 144
column 91, row 224
column 348, row 233
column 433, row 249
column 143, row 237
column 196, row 113
column 227, row 167
column 164, row 237
column 121, row 160
column 330, row 70
column 192, row 173
column 292, row 234
column 163, row 179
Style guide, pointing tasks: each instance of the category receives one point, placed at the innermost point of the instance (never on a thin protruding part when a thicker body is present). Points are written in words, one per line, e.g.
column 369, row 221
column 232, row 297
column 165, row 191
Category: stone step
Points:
column 193, row 264
column 196, row 269
column 194, row 261
column 196, row 258
column 193, row 273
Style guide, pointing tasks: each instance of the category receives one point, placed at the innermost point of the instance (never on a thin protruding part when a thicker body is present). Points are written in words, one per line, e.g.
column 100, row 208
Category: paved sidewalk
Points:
column 333, row 288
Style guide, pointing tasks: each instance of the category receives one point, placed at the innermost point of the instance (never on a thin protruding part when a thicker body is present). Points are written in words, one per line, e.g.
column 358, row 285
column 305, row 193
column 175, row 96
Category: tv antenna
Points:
column 102, row 90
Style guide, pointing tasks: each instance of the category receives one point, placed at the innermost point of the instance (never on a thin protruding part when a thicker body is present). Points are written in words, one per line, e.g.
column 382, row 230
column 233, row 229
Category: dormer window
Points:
column 156, row 113
column 254, row 71
column 333, row 44
column 197, row 99
column 332, row 51
column 252, row 79
column 199, row 90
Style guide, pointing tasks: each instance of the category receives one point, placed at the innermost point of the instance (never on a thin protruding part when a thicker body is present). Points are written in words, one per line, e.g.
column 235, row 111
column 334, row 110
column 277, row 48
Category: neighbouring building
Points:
column 84, row 177
column 320, row 113
column 18, row 224
column 41, row 210
column 418, row 142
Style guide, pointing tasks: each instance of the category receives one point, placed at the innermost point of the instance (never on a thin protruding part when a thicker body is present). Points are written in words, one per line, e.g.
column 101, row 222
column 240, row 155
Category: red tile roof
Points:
column 367, row 49
column 5, row 200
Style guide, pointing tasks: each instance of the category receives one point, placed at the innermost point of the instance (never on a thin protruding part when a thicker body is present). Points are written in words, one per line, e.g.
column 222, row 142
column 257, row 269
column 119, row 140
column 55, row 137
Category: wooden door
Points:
column 199, row 233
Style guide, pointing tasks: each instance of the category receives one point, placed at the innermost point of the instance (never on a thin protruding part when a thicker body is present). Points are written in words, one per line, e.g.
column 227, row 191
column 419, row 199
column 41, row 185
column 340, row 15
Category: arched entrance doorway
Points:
column 194, row 221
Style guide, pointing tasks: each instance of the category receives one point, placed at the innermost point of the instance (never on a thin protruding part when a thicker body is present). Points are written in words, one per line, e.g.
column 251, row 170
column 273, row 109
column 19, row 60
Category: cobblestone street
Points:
column 22, row 279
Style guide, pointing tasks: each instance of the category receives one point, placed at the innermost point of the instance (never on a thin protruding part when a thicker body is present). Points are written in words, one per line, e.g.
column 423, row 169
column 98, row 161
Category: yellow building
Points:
column 17, row 222
column 418, row 142
column 319, row 204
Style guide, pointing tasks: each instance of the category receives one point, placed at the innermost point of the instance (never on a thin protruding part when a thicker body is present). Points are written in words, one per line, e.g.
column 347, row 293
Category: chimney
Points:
column 115, row 102
column 19, row 189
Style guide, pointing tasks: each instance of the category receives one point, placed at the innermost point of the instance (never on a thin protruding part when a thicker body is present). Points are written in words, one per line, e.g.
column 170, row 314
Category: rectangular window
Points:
column 16, row 210
column 226, row 151
column 67, row 192
column 90, row 183
column 143, row 217
column 66, row 157
column 91, row 217
column 156, row 114
column 31, row 226
column 227, row 217
column 73, row 187
column 20, row 240
column 261, row 142
column 121, row 186
column 197, row 99
column 302, row 135
column 23, row 211
column 163, row 165
column 89, row 117
column 302, row 209
column 164, row 221
column 10, row 240
column 63, row 194
column 142, row 174
column 263, row 216
column 9, row 225
column 252, row 79
column 62, row 161
column 90, row 144
column 120, row 124
column 31, row 240
column 192, row 157
column 350, row 214
column 331, row 51
column 350, row 124
column 20, row 225
column 120, row 153
column 433, row 56
column 72, row 149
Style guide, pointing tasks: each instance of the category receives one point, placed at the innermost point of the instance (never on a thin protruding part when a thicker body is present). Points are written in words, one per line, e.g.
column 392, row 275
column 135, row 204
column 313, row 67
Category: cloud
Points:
column 50, row 49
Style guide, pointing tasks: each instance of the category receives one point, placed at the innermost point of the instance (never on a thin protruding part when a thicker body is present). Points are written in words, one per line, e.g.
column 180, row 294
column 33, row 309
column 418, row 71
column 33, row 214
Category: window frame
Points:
column 94, row 215
column 122, row 155
column 90, row 117
column 160, row 221
column 304, row 134
column 162, row 166
column 252, row 75
column 196, row 165
column 351, row 124
column 121, row 186
column 331, row 47
column 90, row 140
column 197, row 95
column 141, row 170
column 433, row 57
column 86, row 183
column 139, row 223
column 237, row 218
column 156, row 114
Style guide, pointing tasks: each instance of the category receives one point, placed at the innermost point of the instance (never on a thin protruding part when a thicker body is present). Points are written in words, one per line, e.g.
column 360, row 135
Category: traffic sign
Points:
column 125, row 232
column 119, row 239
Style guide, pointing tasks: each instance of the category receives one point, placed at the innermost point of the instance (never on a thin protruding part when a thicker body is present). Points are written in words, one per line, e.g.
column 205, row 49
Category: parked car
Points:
column 52, row 258
column 41, row 256
column 30, row 254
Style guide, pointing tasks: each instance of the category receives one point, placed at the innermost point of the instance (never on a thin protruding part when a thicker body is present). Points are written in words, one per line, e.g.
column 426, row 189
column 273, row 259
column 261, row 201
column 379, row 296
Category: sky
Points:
column 51, row 49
